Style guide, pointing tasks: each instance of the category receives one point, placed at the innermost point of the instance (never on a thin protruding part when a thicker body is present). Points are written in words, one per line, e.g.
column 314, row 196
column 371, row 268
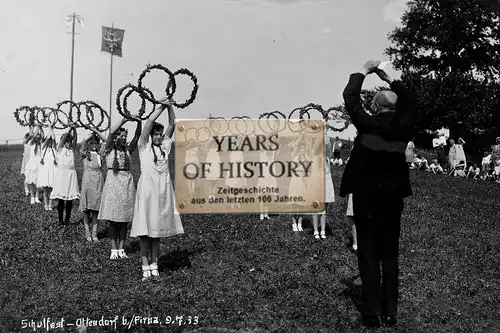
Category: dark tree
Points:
column 449, row 53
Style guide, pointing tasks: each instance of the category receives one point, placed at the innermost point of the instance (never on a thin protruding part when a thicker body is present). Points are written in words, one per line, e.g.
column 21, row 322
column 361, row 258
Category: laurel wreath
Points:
column 194, row 92
column 122, row 105
column 171, row 85
column 27, row 112
column 325, row 114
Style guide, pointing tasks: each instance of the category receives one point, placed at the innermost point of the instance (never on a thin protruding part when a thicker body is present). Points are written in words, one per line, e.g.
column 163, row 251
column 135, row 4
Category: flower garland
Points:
column 23, row 121
column 144, row 93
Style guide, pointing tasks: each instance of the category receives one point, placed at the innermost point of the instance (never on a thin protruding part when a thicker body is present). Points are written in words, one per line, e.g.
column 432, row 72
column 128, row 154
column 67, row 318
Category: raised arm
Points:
column 133, row 143
column 143, row 139
column 53, row 136
column 63, row 139
column 75, row 139
column 171, row 121
column 109, row 140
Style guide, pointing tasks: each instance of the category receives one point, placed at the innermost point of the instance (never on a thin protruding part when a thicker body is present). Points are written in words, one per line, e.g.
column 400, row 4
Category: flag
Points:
column 112, row 40
column 68, row 21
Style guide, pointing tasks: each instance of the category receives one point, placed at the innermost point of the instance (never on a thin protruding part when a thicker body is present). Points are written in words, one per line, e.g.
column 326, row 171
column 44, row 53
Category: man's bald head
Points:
column 384, row 101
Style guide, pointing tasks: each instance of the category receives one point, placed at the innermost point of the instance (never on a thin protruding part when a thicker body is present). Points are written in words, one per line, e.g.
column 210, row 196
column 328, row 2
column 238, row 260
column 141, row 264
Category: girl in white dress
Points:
column 92, row 183
column 31, row 169
column 65, row 188
column 26, row 157
column 236, row 180
column 155, row 215
column 46, row 169
column 298, row 185
column 192, row 150
column 329, row 191
column 350, row 215
column 267, row 181
column 212, row 174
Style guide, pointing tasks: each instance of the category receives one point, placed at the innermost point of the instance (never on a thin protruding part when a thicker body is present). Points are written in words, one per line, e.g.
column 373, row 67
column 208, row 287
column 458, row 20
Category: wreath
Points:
column 90, row 115
column 23, row 121
column 69, row 116
column 339, row 115
column 145, row 94
column 171, row 85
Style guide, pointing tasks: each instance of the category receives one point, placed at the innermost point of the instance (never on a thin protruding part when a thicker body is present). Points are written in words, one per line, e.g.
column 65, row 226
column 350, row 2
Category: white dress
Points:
column 65, row 179
column 214, row 160
column 191, row 156
column 329, row 190
column 26, row 157
column 154, row 211
column 46, row 171
column 236, row 180
column 350, row 209
column 299, row 185
column 268, row 180
column 31, row 169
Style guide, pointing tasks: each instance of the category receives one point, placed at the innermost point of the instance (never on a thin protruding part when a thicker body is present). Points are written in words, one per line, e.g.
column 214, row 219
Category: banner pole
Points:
column 111, row 84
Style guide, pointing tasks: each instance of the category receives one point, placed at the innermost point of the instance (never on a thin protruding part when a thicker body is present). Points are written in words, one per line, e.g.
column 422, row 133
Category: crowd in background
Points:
column 454, row 161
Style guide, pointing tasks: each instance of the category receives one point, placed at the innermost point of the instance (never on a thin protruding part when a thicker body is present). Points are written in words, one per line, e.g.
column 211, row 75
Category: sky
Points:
column 250, row 56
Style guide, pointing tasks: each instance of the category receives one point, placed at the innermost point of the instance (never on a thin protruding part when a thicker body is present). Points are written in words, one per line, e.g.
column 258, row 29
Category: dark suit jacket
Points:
column 377, row 164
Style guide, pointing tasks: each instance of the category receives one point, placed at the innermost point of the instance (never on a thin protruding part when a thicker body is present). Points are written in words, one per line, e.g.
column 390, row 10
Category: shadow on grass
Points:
column 175, row 260
column 352, row 291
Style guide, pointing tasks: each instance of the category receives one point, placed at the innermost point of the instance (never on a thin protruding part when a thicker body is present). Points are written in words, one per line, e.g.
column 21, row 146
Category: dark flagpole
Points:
column 112, row 49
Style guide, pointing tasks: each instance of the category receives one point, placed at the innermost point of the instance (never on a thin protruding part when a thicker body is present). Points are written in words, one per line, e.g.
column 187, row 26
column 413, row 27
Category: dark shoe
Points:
column 389, row 320
column 371, row 321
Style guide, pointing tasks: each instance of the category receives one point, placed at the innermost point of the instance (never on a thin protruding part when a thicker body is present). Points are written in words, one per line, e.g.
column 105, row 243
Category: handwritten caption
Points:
column 48, row 324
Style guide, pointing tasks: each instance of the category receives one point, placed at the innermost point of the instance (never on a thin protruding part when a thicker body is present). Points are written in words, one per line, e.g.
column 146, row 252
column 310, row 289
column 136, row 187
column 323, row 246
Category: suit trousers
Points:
column 378, row 225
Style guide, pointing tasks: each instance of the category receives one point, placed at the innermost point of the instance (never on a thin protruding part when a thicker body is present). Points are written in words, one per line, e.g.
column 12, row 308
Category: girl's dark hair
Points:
column 116, row 164
column 69, row 138
column 157, row 127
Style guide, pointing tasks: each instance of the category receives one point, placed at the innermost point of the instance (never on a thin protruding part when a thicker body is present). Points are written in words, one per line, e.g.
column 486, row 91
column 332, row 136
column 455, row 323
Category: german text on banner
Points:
column 112, row 40
column 249, row 166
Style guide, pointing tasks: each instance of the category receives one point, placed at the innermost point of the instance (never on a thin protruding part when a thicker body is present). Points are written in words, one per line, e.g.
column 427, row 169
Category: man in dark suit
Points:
column 378, row 177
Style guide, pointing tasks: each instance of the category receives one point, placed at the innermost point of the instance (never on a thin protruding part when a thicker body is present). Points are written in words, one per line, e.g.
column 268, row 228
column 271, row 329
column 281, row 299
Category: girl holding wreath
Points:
column 92, row 183
column 26, row 157
column 65, row 188
column 301, row 149
column 329, row 190
column 118, row 193
column 46, row 169
column 31, row 169
column 155, row 216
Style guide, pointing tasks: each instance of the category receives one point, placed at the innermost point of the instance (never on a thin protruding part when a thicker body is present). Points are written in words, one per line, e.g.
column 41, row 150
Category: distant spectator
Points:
column 415, row 163
column 435, row 167
column 460, row 151
column 485, row 164
column 474, row 170
column 439, row 142
column 495, row 159
column 409, row 152
column 459, row 170
column 496, row 171
column 422, row 163
column 337, row 145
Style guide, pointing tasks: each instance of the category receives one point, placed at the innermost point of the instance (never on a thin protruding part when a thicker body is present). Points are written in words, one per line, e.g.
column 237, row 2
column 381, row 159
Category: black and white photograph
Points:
column 250, row 166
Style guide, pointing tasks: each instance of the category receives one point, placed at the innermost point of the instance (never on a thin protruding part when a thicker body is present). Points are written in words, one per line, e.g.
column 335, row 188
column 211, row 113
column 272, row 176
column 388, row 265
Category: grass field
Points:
column 235, row 273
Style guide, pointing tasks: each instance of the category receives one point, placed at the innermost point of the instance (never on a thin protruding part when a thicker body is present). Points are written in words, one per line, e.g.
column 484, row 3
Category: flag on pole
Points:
column 68, row 21
column 112, row 40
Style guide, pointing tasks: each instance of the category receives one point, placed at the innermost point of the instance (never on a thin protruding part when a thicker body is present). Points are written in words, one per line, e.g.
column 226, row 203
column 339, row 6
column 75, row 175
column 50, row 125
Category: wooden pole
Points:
column 111, row 83
column 73, row 17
